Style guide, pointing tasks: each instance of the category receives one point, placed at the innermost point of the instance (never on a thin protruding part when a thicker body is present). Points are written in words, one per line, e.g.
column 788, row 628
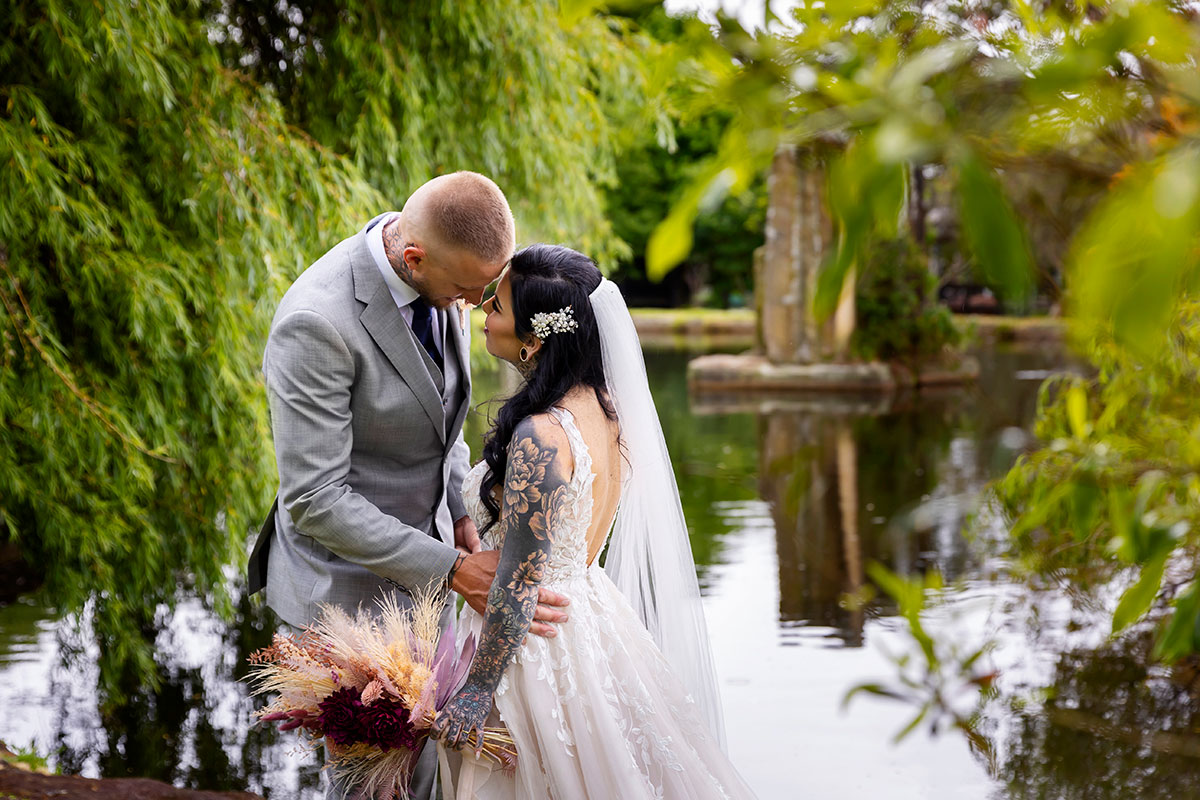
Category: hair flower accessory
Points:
column 545, row 323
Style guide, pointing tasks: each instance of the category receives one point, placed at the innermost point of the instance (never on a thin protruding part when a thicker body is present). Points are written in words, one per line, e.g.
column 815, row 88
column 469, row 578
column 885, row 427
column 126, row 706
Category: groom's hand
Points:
column 466, row 537
column 473, row 581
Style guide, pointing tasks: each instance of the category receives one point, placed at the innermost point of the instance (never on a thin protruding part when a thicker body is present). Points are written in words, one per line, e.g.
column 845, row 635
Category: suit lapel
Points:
column 391, row 333
column 457, row 339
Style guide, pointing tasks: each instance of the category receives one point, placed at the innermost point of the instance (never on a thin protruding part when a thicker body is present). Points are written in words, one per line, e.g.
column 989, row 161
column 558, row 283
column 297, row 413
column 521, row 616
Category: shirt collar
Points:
column 401, row 292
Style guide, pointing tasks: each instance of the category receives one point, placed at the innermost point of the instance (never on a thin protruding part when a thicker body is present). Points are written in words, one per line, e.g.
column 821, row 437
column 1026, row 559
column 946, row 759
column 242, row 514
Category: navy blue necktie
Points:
column 422, row 325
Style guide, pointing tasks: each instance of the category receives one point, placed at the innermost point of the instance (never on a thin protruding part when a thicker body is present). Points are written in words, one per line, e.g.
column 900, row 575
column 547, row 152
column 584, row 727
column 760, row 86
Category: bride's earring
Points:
column 525, row 365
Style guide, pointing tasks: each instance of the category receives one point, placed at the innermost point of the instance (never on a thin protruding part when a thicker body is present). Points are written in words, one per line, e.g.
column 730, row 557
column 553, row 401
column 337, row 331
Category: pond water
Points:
column 788, row 502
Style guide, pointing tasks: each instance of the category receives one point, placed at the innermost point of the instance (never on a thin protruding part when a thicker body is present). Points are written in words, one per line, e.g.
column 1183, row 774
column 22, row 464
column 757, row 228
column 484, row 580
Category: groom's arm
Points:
column 309, row 373
column 535, row 489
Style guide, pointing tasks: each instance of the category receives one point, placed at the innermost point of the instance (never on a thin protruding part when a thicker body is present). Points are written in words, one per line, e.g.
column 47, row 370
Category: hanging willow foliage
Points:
column 540, row 102
column 156, row 199
column 154, row 205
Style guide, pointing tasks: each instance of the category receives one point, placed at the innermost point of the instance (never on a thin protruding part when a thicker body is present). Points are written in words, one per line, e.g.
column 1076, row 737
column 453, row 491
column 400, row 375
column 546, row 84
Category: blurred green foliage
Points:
column 1116, row 487
column 654, row 170
column 25, row 758
column 991, row 93
column 649, row 178
column 167, row 174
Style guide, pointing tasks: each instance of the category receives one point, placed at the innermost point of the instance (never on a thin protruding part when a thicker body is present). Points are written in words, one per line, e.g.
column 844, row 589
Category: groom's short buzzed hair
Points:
column 465, row 211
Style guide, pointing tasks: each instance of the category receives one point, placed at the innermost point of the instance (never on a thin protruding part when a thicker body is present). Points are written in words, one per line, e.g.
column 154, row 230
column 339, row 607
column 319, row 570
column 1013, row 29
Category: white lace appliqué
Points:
column 602, row 658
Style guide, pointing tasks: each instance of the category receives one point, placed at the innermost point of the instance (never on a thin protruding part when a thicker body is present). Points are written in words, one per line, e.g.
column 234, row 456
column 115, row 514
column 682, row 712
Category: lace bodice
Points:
column 596, row 712
column 568, row 559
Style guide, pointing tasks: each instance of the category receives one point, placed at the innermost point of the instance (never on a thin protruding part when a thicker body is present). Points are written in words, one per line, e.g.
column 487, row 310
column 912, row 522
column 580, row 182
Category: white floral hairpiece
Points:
column 545, row 323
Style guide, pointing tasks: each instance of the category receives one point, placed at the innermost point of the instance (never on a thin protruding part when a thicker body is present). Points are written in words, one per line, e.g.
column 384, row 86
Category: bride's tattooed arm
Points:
column 535, row 485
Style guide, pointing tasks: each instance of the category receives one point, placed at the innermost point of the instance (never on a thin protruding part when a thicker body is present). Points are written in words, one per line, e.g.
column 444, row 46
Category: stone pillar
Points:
column 760, row 255
column 798, row 234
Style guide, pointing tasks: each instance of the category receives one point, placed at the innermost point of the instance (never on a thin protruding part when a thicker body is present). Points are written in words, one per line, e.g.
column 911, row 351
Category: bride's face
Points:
column 500, row 326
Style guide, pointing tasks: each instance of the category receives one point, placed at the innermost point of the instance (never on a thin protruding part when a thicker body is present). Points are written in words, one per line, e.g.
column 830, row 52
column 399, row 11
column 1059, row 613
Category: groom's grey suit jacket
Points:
column 368, row 441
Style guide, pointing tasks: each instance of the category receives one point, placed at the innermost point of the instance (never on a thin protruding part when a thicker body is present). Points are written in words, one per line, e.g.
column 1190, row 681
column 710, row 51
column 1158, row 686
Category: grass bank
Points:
column 704, row 330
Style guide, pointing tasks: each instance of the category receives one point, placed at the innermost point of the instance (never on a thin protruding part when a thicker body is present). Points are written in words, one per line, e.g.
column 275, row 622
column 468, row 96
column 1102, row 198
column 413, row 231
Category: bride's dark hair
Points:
column 547, row 278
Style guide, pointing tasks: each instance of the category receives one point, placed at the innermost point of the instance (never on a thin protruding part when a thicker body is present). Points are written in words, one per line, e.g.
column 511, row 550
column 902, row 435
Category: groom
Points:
column 367, row 370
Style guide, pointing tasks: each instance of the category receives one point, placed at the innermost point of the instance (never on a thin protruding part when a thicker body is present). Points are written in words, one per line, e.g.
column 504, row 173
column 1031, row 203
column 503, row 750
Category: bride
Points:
column 622, row 702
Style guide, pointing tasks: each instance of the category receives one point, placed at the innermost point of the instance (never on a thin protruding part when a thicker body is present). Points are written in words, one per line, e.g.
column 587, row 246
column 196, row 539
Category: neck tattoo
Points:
column 393, row 248
column 525, row 368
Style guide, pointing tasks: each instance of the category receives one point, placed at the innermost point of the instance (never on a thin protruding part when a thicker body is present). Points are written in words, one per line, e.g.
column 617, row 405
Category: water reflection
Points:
column 855, row 479
column 1112, row 728
column 809, row 476
column 787, row 501
column 194, row 730
column 890, row 481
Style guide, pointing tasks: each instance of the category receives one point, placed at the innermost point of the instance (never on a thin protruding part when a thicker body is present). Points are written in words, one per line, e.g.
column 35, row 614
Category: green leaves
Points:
column 909, row 595
column 1137, row 599
column 1139, row 527
column 572, row 11
column 1118, row 471
column 865, row 199
column 993, row 234
column 540, row 96
column 139, row 265
column 671, row 240
column 1077, row 411
column 738, row 160
column 1138, row 252
column 1086, row 498
column 942, row 672
column 1181, row 635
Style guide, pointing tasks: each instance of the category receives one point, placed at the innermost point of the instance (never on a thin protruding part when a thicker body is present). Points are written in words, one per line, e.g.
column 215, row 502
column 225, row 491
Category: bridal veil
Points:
column 649, row 555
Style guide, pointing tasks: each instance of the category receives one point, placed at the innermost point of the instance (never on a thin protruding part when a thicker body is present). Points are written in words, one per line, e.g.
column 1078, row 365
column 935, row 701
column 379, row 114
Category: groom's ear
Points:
column 414, row 254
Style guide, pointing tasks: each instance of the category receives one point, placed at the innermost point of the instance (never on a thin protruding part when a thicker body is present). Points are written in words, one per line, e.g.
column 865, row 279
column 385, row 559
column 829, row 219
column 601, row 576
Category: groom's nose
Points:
column 474, row 297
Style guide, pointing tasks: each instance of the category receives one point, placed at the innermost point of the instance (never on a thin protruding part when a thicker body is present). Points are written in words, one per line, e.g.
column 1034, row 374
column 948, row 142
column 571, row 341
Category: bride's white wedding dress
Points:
column 595, row 712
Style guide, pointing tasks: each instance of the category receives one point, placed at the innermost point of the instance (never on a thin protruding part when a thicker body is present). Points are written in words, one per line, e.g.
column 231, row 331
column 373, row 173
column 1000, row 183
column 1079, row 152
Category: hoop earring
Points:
column 524, row 355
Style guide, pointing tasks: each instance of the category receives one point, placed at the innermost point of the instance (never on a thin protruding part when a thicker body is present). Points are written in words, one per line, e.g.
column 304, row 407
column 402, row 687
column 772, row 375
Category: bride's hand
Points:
column 466, row 536
column 465, row 714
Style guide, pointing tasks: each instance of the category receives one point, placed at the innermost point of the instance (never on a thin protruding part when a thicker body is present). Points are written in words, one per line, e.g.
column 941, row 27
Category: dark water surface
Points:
column 788, row 502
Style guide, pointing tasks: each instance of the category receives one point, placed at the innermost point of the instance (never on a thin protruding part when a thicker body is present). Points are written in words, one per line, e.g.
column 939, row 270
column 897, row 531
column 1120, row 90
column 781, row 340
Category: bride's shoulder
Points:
column 540, row 434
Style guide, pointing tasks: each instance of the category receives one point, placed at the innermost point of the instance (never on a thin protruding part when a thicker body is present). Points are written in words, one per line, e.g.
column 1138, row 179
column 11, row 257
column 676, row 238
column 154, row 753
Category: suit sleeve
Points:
column 309, row 373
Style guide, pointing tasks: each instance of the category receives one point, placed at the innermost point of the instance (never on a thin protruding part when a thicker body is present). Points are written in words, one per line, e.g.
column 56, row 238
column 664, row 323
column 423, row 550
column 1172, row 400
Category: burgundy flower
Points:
column 384, row 724
column 340, row 714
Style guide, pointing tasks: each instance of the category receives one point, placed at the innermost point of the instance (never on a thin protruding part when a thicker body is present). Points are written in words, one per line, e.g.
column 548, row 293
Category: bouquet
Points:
column 369, row 686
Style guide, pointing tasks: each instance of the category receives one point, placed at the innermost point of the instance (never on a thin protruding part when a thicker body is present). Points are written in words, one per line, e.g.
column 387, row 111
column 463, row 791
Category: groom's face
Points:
column 449, row 275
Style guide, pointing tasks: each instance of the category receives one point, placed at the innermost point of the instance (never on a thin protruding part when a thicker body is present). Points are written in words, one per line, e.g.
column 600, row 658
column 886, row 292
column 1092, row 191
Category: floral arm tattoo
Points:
column 535, row 486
